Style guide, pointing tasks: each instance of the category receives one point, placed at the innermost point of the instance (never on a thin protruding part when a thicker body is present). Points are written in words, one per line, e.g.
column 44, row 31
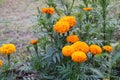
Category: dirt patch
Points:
column 16, row 19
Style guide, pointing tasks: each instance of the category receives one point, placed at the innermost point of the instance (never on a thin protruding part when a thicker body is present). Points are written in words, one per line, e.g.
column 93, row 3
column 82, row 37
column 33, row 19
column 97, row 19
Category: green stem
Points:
column 8, row 60
column 73, row 1
column 110, row 66
column 104, row 26
column 62, row 2
column 36, row 49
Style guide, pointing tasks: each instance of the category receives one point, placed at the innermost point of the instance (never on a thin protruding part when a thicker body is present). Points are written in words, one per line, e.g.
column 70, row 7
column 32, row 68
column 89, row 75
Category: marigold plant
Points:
column 34, row 41
column 1, row 63
column 72, row 38
column 7, row 49
column 95, row 49
column 79, row 56
column 67, row 50
column 70, row 19
column 81, row 46
column 61, row 27
column 49, row 10
column 107, row 48
column 87, row 9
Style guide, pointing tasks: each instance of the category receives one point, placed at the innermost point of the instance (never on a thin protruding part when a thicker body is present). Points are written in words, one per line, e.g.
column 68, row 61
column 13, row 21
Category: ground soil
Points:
column 17, row 18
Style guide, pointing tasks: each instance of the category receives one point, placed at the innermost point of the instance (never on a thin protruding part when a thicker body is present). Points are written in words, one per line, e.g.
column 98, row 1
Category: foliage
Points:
column 92, row 24
column 95, row 26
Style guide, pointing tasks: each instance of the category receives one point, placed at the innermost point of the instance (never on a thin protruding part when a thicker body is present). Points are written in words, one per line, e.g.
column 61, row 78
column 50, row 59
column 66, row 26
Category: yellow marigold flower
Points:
column 72, row 38
column 81, row 46
column 107, row 48
column 87, row 9
column 61, row 27
column 95, row 49
column 70, row 19
column 1, row 63
column 7, row 49
column 49, row 10
column 34, row 41
column 67, row 50
column 79, row 56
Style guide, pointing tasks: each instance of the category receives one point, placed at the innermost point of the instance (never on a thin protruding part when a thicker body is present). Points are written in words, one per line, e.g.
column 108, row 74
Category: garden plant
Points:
column 75, row 43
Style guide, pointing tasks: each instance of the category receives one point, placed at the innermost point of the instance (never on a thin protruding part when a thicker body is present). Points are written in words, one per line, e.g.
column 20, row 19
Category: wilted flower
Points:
column 7, row 49
column 67, row 50
column 79, row 56
column 95, row 49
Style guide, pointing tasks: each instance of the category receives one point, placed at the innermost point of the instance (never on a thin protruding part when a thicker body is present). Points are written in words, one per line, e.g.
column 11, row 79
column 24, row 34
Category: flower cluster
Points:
column 64, row 24
column 87, row 9
column 49, row 10
column 107, row 48
column 7, row 49
column 72, row 38
column 77, row 51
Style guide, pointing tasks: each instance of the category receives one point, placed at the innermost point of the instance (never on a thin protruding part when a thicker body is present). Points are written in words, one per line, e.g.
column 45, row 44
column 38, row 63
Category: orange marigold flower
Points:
column 34, row 41
column 81, row 46
column 49, row 10
column 107, row 48
column 70, row 19
column 87, row 9
column 72, row 38
column 1, row 63
column 95, row 49
column 61, row 27
column 7, row 49
column 67, row 50
column 79, row 56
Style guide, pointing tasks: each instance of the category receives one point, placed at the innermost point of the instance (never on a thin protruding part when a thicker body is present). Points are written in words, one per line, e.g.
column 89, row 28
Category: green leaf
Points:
column 115, row 56
column 100, row 74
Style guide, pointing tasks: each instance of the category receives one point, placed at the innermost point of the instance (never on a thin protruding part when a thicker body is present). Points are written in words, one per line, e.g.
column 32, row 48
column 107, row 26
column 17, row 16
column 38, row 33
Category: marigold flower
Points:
column 107, row 48
column 34, row 41
column 1, row 63
column 61, row 27
column 67, row 50
column 79, row 56
column 49, row 10
column 87, row 9
column 95, row 49
column 70, row 19
column 81, row 46
column 7, row 49
column 72, row 38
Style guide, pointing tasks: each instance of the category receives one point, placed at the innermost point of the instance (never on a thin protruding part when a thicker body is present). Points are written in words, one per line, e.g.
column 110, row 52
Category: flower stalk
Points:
column 8, row 60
